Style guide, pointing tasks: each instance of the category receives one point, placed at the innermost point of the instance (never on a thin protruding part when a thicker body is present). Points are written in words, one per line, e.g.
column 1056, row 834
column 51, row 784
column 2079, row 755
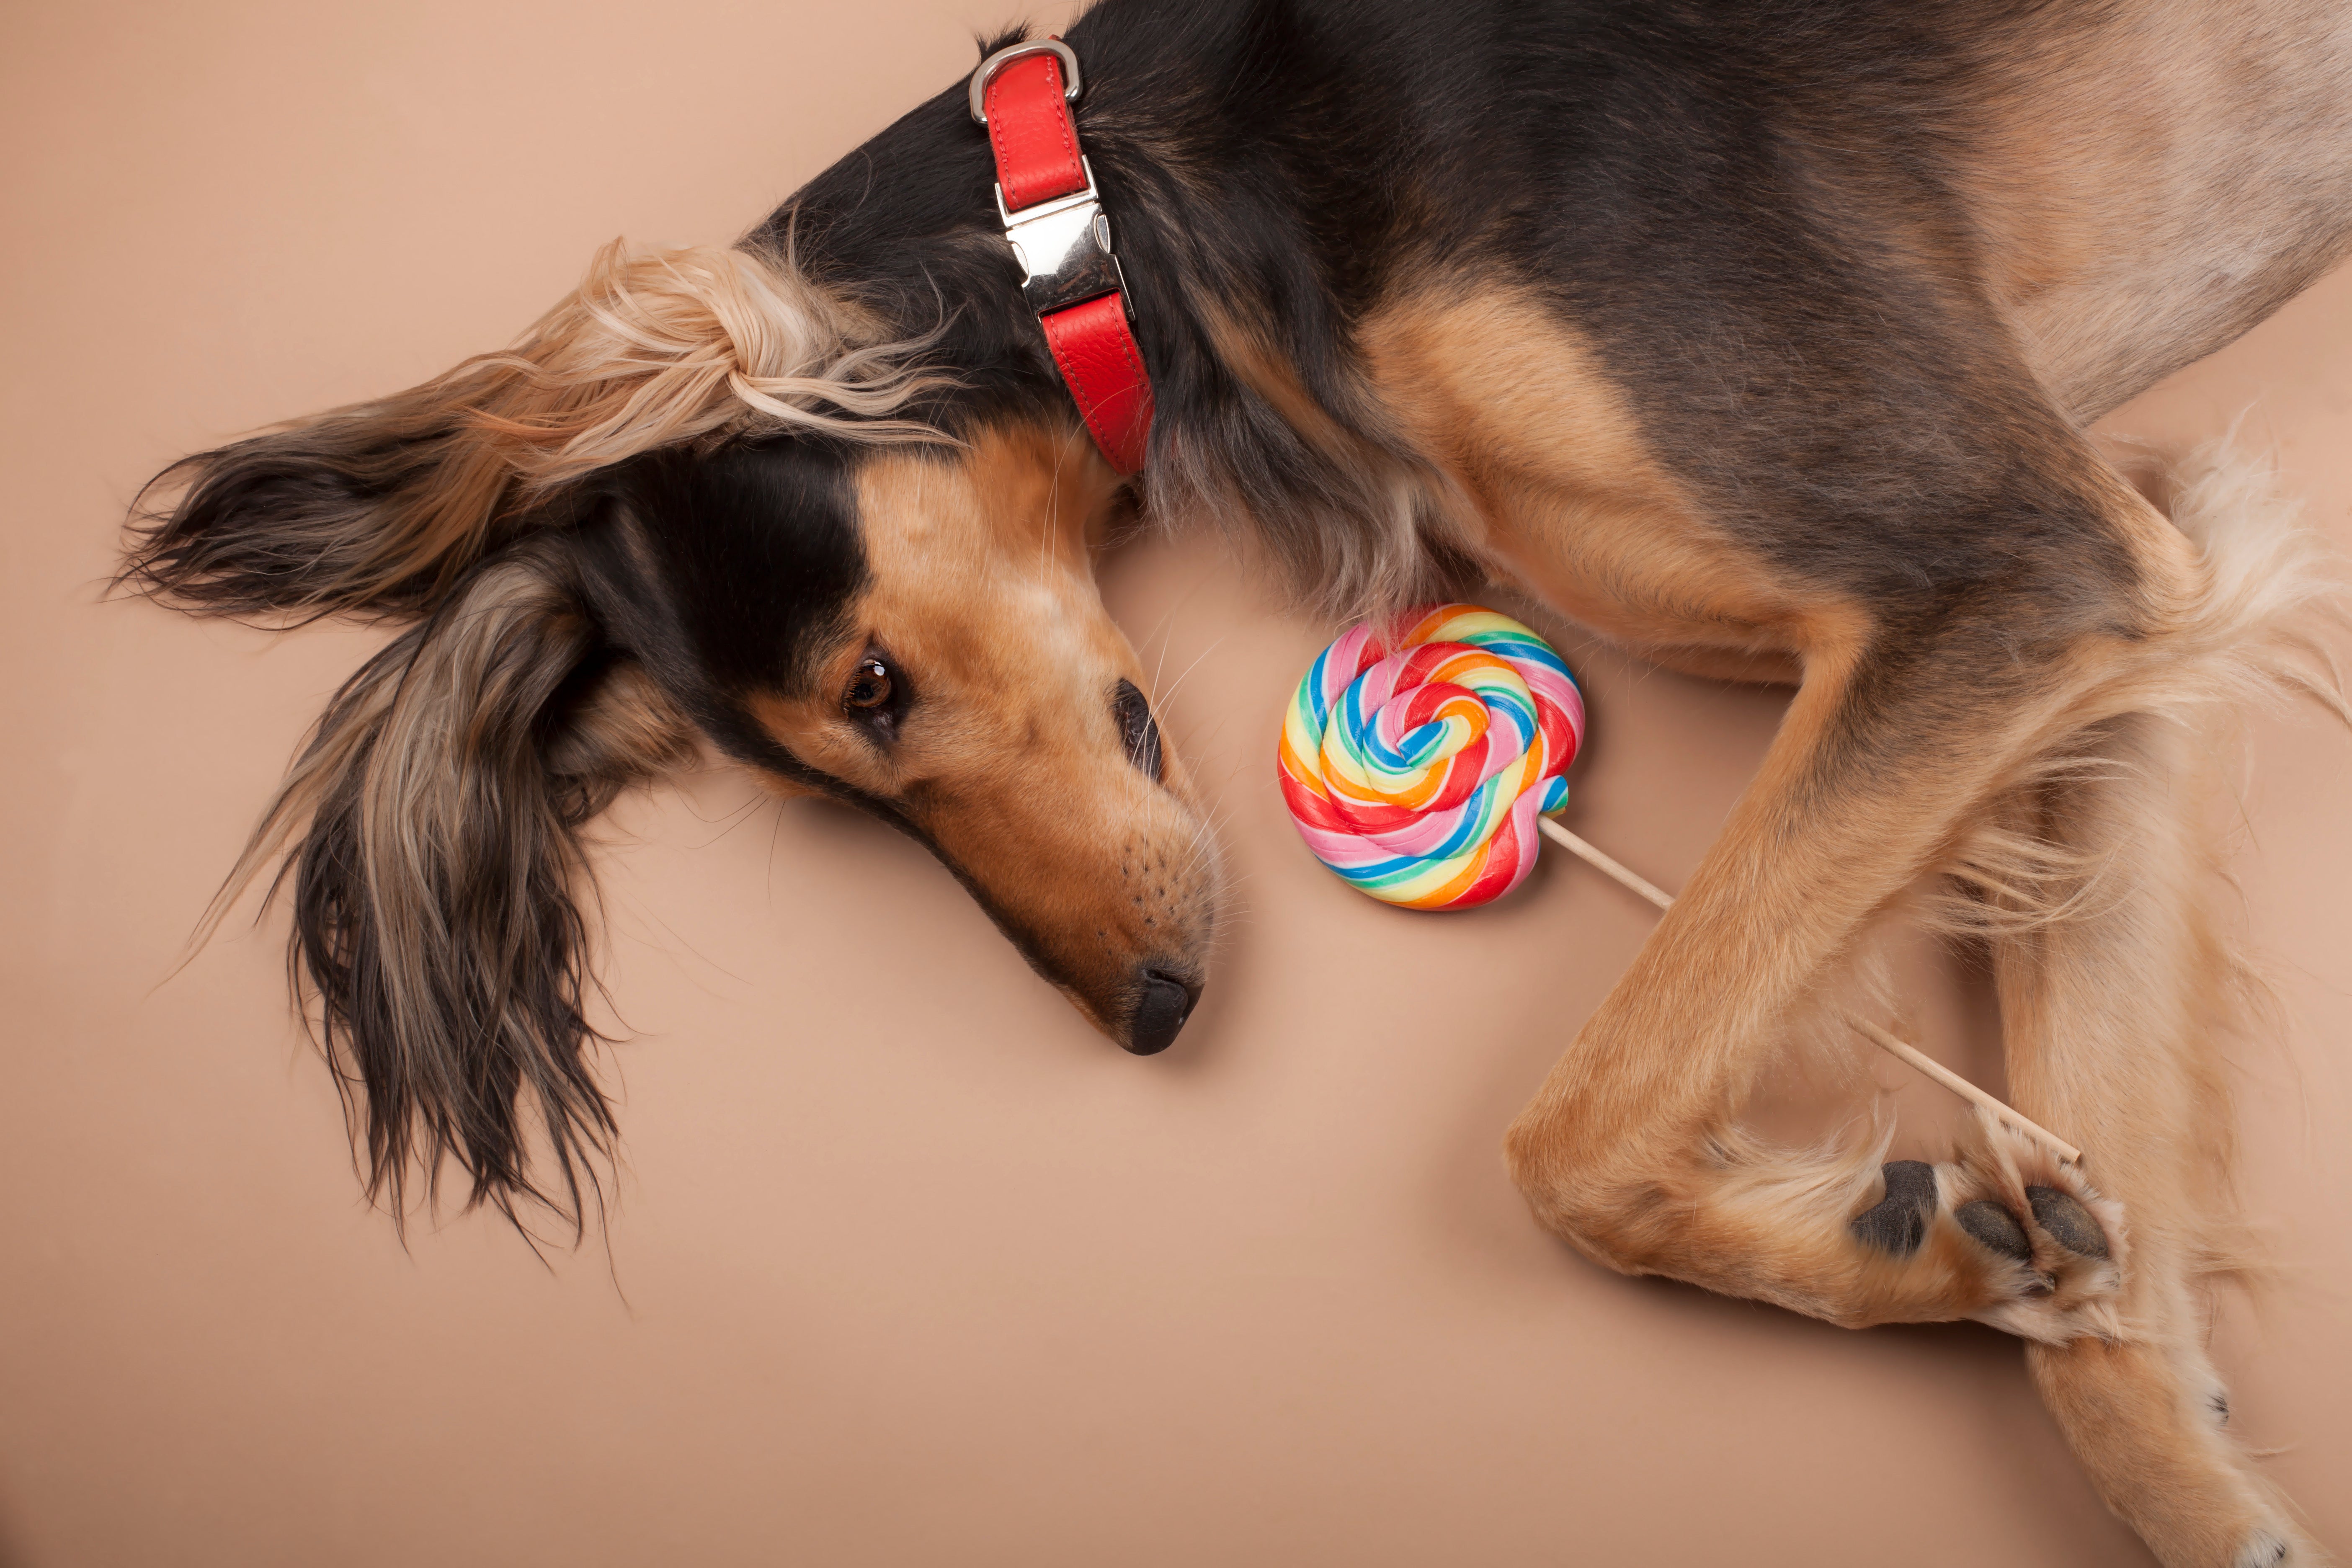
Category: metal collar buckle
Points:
column 1064, row 249
column 977, row 93
column 1062, row 243
column 1069, row 273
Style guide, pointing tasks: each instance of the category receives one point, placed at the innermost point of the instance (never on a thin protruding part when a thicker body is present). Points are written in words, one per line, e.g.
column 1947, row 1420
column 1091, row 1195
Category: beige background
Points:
column 910, row 1268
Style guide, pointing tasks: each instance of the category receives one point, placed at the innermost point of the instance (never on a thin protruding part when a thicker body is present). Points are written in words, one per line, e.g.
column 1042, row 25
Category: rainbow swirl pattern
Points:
column 1415, row 765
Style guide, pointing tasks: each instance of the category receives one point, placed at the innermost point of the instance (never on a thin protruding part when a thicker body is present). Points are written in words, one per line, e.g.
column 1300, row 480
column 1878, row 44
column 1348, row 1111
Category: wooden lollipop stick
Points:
column 1578, row 848
column 1960, row 1086
column 1907, row 1054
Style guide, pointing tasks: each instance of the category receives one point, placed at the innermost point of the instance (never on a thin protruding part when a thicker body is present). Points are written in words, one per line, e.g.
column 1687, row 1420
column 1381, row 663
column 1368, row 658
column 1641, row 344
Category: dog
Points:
column 1759, row 337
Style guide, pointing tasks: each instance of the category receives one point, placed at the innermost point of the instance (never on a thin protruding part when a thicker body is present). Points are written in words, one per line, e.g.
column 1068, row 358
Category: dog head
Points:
column 690, row 507
column 916, row 629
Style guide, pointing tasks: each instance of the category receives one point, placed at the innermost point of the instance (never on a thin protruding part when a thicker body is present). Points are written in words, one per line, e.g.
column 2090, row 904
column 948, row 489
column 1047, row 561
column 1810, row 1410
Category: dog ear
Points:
column 435, row 875
column 382, row 507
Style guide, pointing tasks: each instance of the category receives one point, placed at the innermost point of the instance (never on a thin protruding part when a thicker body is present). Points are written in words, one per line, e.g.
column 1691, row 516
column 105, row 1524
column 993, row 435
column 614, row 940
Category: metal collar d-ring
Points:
column 1002, row 58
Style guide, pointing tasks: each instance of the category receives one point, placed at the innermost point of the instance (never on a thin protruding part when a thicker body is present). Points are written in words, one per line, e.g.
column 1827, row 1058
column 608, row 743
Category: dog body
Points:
column 1760, row 337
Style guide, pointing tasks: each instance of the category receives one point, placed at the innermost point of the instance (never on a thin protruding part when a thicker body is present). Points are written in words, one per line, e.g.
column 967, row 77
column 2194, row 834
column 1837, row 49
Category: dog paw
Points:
column 1897, row 1222
column 2004, row 1233
column 2262, row 1550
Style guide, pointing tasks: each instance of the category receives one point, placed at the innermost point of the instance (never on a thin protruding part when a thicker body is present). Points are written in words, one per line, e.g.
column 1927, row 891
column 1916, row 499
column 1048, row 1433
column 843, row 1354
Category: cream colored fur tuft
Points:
column 655, row 348
column 381, row 508
column 2257, row 636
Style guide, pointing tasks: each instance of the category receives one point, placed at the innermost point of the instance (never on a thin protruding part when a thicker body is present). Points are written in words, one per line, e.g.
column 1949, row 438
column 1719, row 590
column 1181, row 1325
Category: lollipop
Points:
column 1415, row 765
column 1423, row 763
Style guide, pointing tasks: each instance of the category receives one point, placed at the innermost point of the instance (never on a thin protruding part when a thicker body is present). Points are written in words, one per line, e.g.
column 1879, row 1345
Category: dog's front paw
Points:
column 2019, row 1238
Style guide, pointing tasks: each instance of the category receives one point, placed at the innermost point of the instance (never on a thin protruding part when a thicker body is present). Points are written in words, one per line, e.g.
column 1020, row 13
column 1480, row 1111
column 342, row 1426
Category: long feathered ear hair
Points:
column 437, row 872
column 432, row 821
column 378, row 508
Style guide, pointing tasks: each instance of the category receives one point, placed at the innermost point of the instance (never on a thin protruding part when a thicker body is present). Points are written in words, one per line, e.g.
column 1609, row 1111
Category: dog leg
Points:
column 1630, row 1150
column 2110, row 1015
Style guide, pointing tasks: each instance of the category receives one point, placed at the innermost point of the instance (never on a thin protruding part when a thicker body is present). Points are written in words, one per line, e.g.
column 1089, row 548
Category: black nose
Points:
column 1162, row 1004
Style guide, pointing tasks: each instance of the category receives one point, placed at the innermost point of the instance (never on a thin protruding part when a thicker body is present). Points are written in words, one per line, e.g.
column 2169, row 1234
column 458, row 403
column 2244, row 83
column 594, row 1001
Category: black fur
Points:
column 1750, row 207
column 1706, row 173
column 277, row 525
column 726, row 574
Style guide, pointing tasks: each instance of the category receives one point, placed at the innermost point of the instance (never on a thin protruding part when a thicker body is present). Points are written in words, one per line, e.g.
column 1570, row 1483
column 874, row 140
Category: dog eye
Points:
column 1136, row 732
column 869, row 688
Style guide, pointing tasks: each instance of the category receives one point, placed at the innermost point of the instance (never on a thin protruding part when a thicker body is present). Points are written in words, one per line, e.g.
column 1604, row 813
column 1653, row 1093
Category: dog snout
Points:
column 1163, row 1000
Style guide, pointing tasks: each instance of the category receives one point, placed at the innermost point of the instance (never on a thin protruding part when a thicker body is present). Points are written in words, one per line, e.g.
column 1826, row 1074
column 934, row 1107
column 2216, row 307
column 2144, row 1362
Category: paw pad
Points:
column 2003, row 1233
column 2070, row 1224
column 1897, row 1222
column 1995, row 1228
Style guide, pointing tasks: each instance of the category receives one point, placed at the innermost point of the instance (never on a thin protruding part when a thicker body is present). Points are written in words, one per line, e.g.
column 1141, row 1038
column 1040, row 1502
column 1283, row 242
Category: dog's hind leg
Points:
column 1901, row 736
column 1631, row 1150
column 2111, row 1012
column 1893, row 756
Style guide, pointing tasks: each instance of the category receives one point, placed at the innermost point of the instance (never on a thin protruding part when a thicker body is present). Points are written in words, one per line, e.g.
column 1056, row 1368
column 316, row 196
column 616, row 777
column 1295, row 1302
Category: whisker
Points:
column 1170, row 694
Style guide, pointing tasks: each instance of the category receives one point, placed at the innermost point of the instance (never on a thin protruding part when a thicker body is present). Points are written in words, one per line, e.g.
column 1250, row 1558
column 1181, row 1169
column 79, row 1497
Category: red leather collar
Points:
column 1054, row 221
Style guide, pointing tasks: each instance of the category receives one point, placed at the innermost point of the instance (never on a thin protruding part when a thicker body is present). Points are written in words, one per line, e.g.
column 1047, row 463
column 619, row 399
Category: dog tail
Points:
column 380, row 508
column 434, row 819
column 2277, row 604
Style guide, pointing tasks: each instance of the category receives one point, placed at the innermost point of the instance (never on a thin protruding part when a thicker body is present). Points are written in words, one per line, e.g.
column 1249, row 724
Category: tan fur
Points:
column 2063, row 805
column 625, row 729
column 1011, row 766
column 2115, row 992
column 1509, row 403
column 2128, row 182
column 1513, row 436
column 1389, row 527
column 2133, row 1065
column 1262, row 368
column 2117, row 1001
column 1633, row 1150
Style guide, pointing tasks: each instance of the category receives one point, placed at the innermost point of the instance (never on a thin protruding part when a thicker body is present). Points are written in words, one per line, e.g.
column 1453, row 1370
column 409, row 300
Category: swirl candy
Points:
column 1415, row 765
